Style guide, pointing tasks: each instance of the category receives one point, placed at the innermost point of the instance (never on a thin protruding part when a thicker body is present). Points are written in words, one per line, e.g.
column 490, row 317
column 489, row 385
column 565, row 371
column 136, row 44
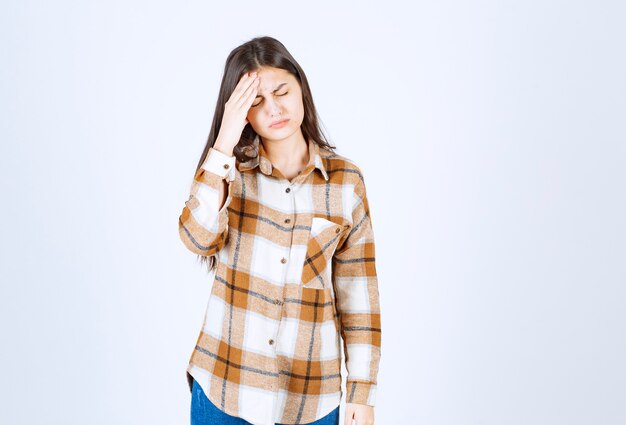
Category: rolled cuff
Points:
column 217, row 162
column 361, row 392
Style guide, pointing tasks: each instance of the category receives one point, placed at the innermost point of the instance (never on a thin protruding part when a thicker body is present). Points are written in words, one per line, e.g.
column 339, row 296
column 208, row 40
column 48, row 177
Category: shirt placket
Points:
column 290, row 220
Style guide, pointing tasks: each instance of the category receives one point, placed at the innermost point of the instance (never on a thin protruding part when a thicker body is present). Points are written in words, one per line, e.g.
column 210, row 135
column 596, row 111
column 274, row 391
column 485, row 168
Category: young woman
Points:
column 284, row 223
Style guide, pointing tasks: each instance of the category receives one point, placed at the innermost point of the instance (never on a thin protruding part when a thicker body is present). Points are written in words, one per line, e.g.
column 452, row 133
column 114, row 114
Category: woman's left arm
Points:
column 356, row 288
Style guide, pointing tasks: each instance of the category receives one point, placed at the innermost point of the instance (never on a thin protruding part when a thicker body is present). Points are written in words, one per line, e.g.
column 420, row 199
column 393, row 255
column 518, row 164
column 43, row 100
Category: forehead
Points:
column 270, row 77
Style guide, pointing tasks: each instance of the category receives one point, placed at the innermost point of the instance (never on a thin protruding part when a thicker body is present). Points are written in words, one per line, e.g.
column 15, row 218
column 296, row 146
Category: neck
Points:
column 291, row 152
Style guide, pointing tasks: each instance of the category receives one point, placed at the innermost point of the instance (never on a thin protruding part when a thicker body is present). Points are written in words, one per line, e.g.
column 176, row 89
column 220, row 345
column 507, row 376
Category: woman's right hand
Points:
column 235, row 113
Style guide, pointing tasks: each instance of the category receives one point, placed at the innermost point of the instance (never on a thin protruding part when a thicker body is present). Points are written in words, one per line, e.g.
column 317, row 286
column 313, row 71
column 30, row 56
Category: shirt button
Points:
column 271, row 341
column 287, row 220
column 226, row 166
column 283, row 260
column 288, row 190
column 337, row 230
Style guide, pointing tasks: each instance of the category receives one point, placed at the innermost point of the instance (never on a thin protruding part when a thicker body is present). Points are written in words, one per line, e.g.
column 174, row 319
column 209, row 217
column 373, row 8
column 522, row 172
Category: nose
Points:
column 273, row 107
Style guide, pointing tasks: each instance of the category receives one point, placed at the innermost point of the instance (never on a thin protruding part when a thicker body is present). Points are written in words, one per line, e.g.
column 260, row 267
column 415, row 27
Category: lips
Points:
column 279, row 123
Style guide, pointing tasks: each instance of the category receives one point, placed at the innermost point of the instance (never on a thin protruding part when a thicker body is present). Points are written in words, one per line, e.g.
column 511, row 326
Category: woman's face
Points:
column 278, row 97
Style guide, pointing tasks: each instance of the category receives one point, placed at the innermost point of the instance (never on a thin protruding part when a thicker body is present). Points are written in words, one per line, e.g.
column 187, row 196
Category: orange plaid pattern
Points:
column 295, row 276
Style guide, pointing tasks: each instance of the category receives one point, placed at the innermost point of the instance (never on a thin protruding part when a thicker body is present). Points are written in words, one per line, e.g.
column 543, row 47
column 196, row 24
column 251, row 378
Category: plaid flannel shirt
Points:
column 295, row 271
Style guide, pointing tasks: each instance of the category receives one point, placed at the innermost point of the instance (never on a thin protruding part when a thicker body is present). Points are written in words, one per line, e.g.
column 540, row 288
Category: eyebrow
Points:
column 275, row 90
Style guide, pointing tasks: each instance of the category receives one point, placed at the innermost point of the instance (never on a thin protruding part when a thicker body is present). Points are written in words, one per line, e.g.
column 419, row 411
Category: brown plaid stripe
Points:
column 295, row 271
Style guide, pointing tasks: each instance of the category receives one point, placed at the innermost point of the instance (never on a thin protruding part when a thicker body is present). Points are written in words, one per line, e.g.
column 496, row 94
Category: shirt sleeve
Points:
column 356, row 290
column 203, row 227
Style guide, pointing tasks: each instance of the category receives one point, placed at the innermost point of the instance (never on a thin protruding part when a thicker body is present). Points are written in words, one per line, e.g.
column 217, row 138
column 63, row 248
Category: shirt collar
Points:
column 265, row 165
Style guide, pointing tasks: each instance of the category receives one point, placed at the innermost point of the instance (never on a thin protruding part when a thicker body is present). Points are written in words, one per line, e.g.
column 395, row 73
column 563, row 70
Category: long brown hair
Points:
column 250, row 56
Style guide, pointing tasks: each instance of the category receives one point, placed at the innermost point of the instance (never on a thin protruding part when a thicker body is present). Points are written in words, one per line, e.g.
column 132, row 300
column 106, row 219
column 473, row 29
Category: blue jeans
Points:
column 203, row 412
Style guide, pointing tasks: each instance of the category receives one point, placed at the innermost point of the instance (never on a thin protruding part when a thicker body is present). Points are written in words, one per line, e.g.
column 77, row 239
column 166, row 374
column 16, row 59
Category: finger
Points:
column 242, row 97
column 253, row 93
column 245, row 82
column 239, row 86
column 248, row 96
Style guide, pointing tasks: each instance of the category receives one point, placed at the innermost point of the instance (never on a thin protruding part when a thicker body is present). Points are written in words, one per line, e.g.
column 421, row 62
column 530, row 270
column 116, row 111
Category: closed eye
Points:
column 287, row 92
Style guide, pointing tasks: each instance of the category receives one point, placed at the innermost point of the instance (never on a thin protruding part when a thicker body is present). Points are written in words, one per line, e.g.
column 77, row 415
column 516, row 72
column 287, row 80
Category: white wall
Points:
column 492, row 136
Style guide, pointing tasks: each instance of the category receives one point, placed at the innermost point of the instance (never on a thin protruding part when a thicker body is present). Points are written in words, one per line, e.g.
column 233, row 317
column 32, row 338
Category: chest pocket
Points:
column 321, row 245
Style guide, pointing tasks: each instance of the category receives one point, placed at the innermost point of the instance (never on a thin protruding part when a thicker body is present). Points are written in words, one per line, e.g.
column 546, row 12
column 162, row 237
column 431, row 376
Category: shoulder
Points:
column 341, row 167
